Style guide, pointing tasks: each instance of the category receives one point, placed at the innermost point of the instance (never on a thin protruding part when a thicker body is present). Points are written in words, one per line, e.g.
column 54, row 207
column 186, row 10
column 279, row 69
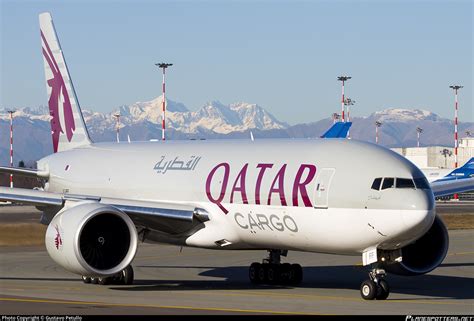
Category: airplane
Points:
column 443, row 181
column 446, row 174
column 334, row 196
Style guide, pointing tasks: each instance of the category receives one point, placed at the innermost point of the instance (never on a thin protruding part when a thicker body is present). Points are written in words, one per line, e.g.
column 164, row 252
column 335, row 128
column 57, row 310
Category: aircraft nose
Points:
column 421, row 213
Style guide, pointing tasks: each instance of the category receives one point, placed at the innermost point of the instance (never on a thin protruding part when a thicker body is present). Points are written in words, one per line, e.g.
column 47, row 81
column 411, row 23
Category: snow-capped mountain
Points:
column 141, row 121
column 213, row 117
column 398, row 115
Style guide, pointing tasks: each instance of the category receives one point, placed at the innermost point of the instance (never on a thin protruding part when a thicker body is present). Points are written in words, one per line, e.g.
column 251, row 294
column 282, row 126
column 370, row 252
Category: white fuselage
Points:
column 308, row 195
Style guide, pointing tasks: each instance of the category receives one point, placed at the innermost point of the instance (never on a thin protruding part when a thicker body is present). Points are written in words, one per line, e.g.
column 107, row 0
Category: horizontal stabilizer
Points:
column 30, row 197
column 338, row 130
column 20, row 171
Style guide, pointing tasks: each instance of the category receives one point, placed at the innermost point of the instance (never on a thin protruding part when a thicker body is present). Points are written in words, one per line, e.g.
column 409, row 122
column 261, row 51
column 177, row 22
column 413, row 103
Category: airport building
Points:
column 438, row 156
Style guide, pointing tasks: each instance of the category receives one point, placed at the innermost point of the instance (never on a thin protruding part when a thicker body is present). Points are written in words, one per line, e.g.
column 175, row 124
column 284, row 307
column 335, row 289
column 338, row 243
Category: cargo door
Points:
column 323, row 184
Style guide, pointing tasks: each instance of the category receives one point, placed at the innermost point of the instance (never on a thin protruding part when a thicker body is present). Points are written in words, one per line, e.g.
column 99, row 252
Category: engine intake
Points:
column 92, row 239
column 425, row 254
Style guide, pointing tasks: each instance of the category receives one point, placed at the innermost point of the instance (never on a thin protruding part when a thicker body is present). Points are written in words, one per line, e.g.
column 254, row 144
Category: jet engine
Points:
column 92, row 239
column 424, row 255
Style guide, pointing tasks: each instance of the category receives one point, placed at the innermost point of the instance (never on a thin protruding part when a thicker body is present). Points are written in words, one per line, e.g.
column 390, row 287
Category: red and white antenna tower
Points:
column 456, row 142
column 419, row 130
column 117, row 117
column 11, row 112
column 343, row 79
column 377, row 125
column 163, row 66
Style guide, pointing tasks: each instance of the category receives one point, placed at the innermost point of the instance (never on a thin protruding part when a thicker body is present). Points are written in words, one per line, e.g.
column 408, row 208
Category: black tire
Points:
column 102, row 280
column 273, row 274
column 262, row 274
column 86, row 279
column 368, row 290
column 285, row 270
column 253, row 272
column 127, row 275
column 383, row 290
column 297, row 274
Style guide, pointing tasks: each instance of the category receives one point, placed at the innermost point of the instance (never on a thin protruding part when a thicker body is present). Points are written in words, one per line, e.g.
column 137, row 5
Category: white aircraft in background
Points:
column 322, row 195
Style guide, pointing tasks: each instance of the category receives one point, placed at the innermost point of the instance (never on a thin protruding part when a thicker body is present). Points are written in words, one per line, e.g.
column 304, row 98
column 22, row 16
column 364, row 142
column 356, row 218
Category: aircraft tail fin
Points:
column 68, row 128
column 465, row 171
column 338, row 130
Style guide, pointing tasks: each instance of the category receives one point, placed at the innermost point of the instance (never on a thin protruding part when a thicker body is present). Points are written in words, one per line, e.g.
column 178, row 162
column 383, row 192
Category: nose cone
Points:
column 419, row 212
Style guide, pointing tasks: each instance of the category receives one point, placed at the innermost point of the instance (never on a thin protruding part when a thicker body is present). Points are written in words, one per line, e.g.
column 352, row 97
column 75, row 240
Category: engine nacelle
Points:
column 92, row 239
column 425, row 254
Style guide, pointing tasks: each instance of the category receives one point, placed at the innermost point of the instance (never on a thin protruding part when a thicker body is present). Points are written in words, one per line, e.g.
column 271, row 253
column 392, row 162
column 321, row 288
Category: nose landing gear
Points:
column 272, row 271
column 375, row 287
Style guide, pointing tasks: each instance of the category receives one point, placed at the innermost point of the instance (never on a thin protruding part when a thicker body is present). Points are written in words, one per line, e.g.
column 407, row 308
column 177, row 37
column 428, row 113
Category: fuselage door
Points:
column 323, row 183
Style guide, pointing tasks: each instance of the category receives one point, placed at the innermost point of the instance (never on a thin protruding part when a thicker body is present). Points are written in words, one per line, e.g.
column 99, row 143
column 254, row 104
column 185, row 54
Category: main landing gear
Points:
column 272, row 271
column 124, row 277
column 375, row 287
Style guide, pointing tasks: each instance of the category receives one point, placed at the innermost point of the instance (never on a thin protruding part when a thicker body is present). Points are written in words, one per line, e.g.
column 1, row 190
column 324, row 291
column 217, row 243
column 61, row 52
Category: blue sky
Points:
column 283, row 55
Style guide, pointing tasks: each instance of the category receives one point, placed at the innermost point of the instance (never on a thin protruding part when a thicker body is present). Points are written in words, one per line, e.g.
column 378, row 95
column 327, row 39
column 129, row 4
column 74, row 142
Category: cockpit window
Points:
column 421, row 183
column 405, row 183
column 376, row 183
column 388, row 182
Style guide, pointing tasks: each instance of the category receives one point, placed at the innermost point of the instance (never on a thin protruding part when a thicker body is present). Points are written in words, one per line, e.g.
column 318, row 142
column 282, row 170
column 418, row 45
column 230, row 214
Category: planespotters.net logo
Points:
column 439, row 318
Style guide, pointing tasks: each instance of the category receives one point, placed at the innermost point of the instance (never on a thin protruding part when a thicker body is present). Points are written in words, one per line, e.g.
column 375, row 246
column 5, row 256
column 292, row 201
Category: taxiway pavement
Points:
column 197, row 281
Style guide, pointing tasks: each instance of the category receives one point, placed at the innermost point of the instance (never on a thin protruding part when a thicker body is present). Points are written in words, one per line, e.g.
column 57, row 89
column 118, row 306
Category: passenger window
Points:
column 421, row 183
column 388, row 182
column 405, row 183
column 376, row 183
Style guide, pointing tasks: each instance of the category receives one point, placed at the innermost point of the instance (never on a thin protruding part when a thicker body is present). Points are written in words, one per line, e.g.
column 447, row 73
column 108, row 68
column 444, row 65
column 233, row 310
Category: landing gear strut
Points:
column 123, row 277
column 375, row 287
column 272, row 271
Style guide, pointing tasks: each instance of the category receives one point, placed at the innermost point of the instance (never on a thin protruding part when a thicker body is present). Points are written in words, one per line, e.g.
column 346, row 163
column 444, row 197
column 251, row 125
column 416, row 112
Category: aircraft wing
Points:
column 449, row 187
column 167, row 217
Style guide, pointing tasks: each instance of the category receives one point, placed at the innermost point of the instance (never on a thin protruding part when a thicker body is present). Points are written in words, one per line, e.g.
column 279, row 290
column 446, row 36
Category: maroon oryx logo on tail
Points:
column 58, row 88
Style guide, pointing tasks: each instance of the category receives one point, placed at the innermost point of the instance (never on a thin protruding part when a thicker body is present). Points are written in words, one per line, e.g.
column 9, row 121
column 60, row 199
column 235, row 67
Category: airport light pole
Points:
column 419, row 130
column 163, row 67
column 349, row 102
column 377, row 125
column 11, row 112
column 117, row 118
column 456, row 142
column 343, row 79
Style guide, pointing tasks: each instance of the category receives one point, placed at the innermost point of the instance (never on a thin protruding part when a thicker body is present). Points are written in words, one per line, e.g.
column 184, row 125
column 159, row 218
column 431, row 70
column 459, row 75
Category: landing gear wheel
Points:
column 94, row 280
column 127, row 275
column 273, row 273
column 298, row 273
column 383, row 290
column 285, row 271
column 262, row 273
column 253, row 272
column 86, row 279
column 368, row 290
column 102, row 280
